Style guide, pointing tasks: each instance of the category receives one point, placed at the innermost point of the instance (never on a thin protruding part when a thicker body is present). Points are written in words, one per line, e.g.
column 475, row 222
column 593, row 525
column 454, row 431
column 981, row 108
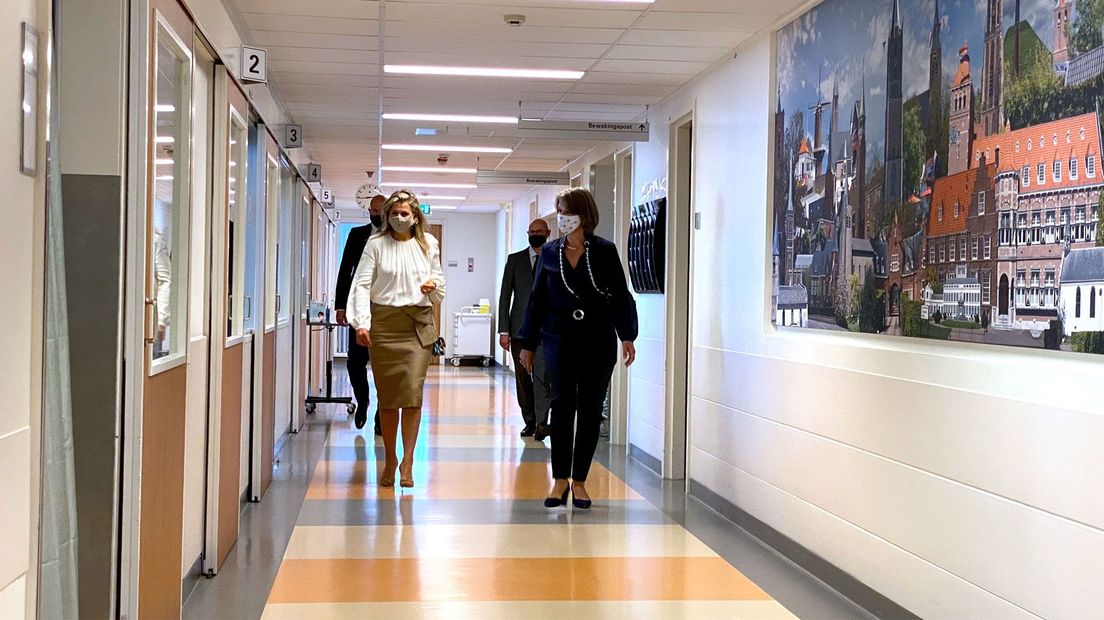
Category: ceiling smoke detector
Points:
column 514, row 20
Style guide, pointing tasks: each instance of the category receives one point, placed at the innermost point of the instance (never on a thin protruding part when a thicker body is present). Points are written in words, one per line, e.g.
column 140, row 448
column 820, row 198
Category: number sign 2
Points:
column 254, row 64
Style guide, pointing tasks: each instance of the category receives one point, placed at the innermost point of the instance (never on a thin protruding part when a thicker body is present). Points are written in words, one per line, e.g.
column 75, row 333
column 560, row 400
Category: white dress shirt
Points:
column 391, row 273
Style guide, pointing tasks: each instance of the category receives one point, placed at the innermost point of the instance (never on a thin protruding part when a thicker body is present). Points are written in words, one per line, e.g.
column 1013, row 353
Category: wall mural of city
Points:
column 938, row 171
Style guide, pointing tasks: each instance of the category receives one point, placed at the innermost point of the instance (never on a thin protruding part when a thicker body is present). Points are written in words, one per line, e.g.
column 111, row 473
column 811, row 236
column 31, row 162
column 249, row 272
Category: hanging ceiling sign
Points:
column 326, row 197
column 512, row 177
column 314, row 173
column 584, row 130
column 254, row 64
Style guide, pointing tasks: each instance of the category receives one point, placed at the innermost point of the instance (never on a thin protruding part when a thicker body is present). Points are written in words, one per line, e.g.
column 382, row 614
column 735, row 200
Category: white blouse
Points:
column 391, row 273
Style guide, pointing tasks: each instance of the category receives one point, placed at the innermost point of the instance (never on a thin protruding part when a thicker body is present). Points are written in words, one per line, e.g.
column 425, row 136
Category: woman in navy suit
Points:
column 579, row 308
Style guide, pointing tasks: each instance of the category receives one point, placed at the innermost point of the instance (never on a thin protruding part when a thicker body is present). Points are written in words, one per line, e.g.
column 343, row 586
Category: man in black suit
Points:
column 517, row 282
column 357, row 363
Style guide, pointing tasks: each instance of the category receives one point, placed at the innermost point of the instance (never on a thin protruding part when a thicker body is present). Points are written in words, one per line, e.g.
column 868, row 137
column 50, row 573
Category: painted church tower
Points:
column 992, row 98
column 894, row 125
column 962, row 106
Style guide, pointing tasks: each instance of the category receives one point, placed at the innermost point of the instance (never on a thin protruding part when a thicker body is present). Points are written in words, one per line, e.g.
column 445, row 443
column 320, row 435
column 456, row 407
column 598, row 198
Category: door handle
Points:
column 248, row 303
column 151, row 319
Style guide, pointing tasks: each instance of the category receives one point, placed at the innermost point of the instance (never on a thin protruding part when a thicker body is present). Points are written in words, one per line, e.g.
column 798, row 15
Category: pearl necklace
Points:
column 590, row 272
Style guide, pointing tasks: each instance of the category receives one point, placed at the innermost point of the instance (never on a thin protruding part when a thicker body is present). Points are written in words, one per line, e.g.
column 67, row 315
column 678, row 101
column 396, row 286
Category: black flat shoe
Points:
column 527, row 431
column 552, row 502
column 542, row 432
column 361, row 417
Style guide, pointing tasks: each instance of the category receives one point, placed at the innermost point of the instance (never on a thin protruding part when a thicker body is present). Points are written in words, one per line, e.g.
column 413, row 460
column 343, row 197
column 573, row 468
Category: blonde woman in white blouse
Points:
column 391, row 307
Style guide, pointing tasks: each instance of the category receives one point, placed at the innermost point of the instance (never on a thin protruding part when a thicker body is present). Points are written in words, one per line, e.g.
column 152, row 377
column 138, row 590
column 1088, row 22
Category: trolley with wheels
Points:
column 472, row 330
column 322, row 325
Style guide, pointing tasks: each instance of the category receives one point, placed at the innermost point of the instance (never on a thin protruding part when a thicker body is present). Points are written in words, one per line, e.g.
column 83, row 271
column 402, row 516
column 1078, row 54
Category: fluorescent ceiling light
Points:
column 163, row 162
column 434, row 185
column 429, row 169
column 435, row 198
column 546, row 74
column 167, row 177
column 162, row 107
column 444, row 208
column 452, row 118
column 164, row 139
column 446, row 149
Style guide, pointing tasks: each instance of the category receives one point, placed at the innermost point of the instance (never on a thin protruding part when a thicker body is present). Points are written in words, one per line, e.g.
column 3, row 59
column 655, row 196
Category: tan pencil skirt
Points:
column 402, row 346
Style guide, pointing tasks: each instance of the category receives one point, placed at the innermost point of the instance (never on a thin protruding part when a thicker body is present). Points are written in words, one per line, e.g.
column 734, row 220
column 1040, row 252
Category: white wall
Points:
column 503, row 221
column 21, row 254
column 469, row 235
column 960, row 481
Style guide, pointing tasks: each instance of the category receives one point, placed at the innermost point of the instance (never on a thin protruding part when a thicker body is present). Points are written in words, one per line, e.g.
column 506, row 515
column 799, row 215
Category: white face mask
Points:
column 568, row 223
column 401, row 224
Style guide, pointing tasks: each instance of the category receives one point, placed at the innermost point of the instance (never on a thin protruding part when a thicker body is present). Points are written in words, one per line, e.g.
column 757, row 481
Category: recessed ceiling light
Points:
column 543, row 74
column 446, row 149
column 433, row 185
column 429, row 169
column 452, row 118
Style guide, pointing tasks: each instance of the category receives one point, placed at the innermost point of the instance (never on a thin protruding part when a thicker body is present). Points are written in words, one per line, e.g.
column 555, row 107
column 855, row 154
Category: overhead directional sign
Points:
column 584, row 130
column 513, row 177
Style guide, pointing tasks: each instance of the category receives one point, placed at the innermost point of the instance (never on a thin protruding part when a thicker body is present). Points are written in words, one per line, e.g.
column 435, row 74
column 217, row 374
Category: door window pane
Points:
column 272, row 212
column 237, row 175
column 169, row 243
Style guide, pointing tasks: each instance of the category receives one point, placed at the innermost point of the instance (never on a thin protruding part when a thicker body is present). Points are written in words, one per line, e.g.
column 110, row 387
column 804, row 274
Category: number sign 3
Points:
column 293, row 136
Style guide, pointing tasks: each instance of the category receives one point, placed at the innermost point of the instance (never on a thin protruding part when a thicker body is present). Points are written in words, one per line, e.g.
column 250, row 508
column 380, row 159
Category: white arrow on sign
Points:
column 585, row 130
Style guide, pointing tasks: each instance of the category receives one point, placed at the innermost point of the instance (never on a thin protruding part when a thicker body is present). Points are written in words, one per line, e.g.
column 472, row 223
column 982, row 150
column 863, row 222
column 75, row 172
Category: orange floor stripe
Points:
column 511, row 579
column 457, row 480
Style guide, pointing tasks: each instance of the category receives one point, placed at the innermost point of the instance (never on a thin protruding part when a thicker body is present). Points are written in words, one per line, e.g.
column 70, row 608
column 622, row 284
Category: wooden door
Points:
column 168, row 169
column 227, row 405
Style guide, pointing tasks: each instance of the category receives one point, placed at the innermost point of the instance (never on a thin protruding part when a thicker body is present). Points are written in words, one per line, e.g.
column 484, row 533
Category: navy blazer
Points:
column 350, row 260
column 551, row 304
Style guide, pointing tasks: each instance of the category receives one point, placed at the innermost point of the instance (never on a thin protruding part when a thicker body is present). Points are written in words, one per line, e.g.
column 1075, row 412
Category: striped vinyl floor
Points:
column 473, row 539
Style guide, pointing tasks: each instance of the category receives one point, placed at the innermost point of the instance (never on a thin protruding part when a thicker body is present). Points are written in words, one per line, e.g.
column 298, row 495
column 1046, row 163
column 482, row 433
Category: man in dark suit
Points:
column 357, row 363
column 517, row 282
